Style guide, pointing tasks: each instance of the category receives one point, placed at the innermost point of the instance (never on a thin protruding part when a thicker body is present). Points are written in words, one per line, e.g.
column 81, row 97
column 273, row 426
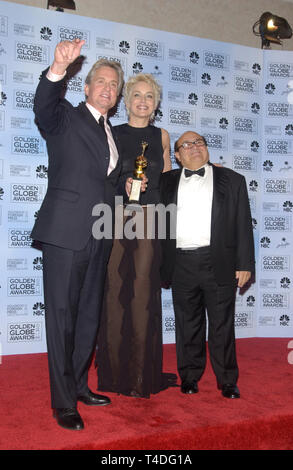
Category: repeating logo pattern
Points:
column 240, row 99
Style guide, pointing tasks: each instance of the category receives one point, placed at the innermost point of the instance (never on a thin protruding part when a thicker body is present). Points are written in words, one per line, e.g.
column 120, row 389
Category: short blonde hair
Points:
column 141, row 77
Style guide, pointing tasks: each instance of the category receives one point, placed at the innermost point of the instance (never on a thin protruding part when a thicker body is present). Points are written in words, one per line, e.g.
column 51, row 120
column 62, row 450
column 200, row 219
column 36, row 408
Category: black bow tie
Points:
column 199, row 172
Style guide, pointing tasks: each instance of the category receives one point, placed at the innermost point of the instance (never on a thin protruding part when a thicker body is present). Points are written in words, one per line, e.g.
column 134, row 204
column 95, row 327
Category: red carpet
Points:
column 261, row 419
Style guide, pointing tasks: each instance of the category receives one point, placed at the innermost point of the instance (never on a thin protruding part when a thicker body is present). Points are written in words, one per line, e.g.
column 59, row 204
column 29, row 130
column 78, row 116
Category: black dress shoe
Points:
column 68, row 418
column 230, row 391
column 189, row 387
column 90, row 398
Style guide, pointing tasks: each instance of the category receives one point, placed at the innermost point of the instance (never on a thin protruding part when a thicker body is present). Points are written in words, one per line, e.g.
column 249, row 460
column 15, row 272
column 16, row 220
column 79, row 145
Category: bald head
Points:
column 191, row 150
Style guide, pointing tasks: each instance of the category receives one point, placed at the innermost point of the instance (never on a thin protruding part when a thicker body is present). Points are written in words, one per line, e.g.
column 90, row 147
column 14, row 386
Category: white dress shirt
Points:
column 194, row 210
column 53, row 77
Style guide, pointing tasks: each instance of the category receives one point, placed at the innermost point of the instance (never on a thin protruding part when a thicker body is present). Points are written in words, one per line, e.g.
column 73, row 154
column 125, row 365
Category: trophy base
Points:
column 134, row 196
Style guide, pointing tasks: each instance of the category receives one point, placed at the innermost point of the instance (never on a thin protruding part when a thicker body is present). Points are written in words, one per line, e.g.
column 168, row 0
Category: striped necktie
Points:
column 112, row 146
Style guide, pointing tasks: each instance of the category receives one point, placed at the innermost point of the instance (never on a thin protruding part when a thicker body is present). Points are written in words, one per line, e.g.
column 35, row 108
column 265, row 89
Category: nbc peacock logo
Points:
column 46, row 33
column 124, row 47
column 39, row 309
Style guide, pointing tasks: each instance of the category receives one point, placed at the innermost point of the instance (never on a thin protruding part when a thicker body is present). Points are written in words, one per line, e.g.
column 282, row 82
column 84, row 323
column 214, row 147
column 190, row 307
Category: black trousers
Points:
column 73, row 293
column 195, row 292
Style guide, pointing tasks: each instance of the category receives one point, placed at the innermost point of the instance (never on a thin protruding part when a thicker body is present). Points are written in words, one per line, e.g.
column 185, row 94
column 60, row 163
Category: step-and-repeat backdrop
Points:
column 239, row 98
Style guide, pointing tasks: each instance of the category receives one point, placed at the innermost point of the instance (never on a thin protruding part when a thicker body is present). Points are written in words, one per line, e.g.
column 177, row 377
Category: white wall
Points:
column 221, row 20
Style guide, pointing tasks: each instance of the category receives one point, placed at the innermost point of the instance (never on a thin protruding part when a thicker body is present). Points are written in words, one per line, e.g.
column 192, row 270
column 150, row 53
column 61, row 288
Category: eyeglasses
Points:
column 188, row 145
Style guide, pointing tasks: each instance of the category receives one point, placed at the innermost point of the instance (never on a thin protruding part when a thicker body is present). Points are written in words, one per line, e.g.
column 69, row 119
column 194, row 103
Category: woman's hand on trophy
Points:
column 144, row 183
column 128, row 186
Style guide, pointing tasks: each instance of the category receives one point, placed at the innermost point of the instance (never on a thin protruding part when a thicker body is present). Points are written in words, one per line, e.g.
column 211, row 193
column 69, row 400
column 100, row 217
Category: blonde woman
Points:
column 129, row 354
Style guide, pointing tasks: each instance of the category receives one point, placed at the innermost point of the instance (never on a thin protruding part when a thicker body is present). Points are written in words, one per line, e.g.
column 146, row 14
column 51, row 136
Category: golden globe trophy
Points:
column 138, row 173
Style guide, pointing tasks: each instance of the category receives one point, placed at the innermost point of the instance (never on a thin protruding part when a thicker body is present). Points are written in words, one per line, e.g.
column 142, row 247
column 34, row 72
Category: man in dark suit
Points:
column 83, row 171
column 210, row 253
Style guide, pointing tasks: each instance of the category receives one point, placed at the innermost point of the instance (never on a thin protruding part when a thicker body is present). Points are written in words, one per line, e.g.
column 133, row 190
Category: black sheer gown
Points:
column 129, row 348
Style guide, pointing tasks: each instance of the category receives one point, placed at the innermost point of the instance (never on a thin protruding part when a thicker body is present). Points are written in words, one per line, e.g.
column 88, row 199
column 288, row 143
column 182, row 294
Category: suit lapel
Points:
column 169, row 196
column 114, row 135
column 219, row 191
column 117, row 142
column 89, row 119
column 97, row 138
column 172, row 186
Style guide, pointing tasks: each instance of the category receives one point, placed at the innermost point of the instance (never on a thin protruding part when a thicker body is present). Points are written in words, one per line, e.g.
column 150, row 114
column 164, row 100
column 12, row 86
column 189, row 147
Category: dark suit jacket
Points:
column 232, row 246
column 77, row 172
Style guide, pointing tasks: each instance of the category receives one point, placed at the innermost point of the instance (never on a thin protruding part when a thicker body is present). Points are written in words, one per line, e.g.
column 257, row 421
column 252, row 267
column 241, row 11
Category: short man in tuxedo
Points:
column 83, row 171
column 211, row 254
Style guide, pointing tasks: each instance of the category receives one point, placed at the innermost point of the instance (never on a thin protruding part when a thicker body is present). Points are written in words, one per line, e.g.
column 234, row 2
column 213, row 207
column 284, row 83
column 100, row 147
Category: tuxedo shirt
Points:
column 195, row 196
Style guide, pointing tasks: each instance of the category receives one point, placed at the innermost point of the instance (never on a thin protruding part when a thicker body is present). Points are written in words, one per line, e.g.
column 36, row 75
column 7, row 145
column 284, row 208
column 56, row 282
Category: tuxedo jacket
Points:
column 232, row 245
column 77, row 172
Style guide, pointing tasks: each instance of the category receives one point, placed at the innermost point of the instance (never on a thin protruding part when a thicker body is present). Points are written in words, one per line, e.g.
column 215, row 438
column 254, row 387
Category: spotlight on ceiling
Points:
column 271, row 28
column 60, row 4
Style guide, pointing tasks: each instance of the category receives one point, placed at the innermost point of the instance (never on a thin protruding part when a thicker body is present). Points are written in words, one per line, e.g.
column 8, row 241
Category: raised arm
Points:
column 48, row 109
